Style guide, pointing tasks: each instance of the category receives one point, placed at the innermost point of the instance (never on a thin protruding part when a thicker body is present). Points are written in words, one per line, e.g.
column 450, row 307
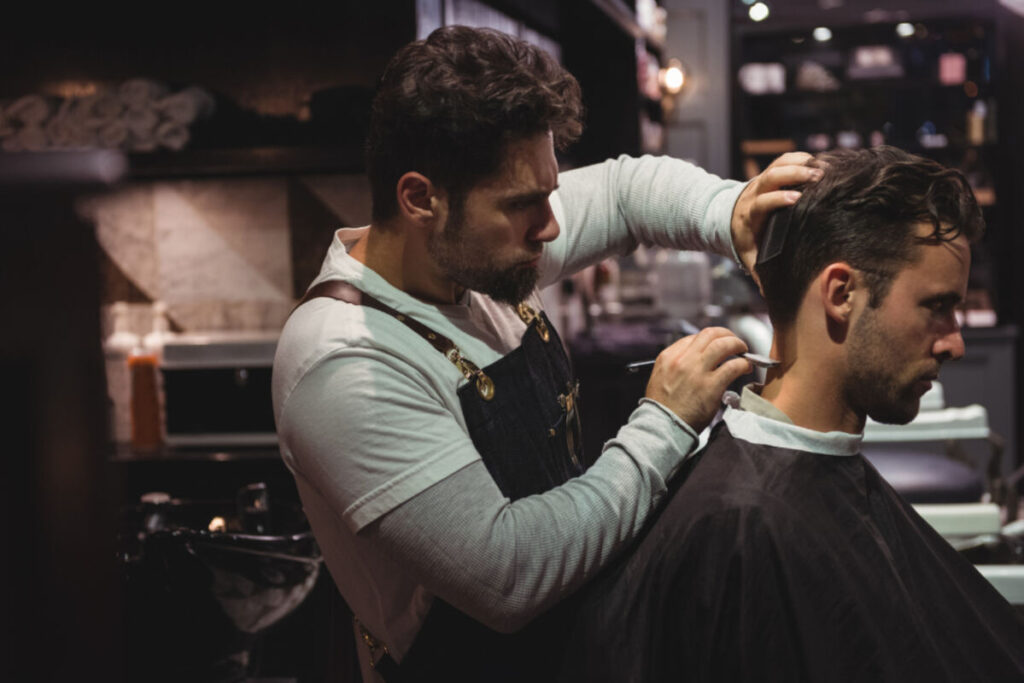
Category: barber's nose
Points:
column 950, row 346
column 546, row 227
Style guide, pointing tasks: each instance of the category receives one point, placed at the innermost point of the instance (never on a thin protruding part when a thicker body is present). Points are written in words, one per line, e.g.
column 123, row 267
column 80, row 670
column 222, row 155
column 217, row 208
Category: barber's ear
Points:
column 419, row 199
column 840, row 286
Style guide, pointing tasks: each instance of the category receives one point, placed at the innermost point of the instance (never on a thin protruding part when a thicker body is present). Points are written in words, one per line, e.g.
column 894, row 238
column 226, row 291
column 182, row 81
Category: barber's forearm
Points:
column 610, row 208
column 671, row 203
column 504, row 563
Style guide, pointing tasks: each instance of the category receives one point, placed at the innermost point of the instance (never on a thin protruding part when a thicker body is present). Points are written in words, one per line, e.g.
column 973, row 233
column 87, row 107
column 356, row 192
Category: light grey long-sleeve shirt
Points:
column 371, row 426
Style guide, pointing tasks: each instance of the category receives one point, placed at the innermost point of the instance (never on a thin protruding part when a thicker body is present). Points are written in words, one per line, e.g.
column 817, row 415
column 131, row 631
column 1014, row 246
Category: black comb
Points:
column 774, row 240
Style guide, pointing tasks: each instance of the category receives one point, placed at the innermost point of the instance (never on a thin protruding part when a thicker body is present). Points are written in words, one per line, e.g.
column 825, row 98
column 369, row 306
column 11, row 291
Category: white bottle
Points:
column 684, row 284
column 160, row 332
column 116, row 348
column 976, row 123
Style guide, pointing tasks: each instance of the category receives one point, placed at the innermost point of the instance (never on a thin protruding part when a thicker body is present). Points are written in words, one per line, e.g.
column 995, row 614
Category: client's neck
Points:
column 808, row 385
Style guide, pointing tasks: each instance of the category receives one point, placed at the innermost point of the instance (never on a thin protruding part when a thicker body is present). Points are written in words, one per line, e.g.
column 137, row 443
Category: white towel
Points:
column 7, row 124
column 30, row 109
column 112, row 135
column 140, row 93
column 28, row 139
column 98, row 110
column 185, row 106
column 64, row 130
column 142, row 125
column 172, row 135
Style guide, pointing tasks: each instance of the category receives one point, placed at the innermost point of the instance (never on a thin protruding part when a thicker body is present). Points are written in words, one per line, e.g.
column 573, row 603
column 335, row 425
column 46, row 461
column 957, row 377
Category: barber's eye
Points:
column 942, row 308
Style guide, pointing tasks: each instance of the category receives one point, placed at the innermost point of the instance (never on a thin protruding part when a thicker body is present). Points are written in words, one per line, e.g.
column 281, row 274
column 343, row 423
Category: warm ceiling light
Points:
column 673, row 77
column 822, row 34
column 758, row 11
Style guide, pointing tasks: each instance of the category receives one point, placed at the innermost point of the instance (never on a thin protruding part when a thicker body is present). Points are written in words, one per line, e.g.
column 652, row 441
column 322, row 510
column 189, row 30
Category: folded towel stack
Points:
column 140, row 115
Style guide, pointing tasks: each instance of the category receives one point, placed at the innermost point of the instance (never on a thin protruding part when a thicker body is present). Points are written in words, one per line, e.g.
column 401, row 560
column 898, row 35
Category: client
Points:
column 783, row 555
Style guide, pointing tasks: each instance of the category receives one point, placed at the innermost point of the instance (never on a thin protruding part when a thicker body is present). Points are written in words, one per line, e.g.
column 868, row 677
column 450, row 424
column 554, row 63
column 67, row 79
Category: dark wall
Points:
column 60, row 613
column 1010, row 239
column 281, row 49
column 601, row 55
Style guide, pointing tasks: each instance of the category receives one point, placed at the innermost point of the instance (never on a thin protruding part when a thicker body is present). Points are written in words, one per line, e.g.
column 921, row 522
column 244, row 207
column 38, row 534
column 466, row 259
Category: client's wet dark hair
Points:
column 864, row 211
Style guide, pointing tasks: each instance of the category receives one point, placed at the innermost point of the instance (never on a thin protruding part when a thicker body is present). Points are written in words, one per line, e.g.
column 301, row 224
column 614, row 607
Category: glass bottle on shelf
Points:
column 117, row 348
column 146, row 403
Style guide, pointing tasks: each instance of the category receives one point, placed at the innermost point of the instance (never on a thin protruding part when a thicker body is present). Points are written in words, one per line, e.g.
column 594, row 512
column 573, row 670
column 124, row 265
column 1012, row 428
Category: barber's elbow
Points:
column 510, row 624
column 507, row 616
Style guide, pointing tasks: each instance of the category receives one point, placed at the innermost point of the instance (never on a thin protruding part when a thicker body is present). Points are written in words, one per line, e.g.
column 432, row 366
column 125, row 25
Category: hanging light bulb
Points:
column 672, row 78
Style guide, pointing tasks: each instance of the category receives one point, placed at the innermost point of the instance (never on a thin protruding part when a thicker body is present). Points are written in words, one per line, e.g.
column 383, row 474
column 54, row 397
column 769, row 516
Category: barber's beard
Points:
column 874, row 385
column 473, row 268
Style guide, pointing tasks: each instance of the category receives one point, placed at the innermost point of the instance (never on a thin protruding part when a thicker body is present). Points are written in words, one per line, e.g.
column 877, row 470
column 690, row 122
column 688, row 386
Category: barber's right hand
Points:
column 690, row 376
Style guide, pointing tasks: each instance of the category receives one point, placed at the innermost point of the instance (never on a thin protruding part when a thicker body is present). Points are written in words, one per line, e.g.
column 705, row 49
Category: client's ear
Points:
column 839, row 285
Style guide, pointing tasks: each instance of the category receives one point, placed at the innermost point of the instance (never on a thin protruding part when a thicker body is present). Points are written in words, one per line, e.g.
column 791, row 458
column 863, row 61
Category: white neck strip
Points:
column 768, row 432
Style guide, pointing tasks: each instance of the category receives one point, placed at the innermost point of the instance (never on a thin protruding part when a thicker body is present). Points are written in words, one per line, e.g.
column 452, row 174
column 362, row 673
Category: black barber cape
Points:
column 770, row 564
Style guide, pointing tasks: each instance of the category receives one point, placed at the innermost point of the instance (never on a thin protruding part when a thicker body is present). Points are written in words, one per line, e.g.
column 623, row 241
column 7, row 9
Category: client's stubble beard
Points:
column 873, row 383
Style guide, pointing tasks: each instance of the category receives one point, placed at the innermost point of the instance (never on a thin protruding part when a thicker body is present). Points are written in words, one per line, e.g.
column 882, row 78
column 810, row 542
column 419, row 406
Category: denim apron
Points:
column 523, row 418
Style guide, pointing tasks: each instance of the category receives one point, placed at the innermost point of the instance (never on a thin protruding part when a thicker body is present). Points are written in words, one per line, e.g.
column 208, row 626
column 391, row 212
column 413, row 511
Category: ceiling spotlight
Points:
column 758, row 11
column 904, row 29
column 822, row 34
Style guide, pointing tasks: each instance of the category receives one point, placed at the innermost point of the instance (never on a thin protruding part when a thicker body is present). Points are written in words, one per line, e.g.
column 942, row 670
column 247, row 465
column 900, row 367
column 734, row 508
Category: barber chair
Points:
column 205, row 579
column 922, row 476
column 972, row 504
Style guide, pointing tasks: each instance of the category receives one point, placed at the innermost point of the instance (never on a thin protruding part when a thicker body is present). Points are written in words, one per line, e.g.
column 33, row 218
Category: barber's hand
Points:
column 690, row 377
column 763, row 195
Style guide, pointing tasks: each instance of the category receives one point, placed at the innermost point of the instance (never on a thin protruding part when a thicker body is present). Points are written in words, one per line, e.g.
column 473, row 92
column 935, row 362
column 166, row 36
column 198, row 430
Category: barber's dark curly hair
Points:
column 447, row 107
column 864, row 211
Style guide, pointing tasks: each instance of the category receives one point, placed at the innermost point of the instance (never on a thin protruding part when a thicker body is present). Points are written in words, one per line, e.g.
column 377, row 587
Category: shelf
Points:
column 192, row 163
column 123, row 453
column 849, row 88
column 773, row 147
column 621, row 14
column 54, row 169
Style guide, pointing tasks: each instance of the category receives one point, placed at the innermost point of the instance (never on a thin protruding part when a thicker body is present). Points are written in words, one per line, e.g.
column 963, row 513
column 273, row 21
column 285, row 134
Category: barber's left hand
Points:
column 763, row 195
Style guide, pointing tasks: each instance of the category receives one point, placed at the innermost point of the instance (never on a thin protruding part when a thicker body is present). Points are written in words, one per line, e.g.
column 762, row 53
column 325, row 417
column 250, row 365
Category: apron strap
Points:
column 528, row 315
column 384, row 665
column 343, row 291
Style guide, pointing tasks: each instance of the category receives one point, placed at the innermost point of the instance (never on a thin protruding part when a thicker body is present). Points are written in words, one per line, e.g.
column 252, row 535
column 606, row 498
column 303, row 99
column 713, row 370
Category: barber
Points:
column 424, row 402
